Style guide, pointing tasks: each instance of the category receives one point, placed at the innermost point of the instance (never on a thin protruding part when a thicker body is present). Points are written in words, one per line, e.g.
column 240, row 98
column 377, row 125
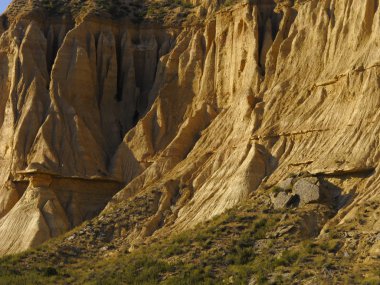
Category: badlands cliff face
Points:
column 191, row 116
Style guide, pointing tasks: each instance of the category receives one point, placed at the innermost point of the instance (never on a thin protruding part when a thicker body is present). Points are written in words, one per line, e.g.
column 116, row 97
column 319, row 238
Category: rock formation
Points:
column 203, row 110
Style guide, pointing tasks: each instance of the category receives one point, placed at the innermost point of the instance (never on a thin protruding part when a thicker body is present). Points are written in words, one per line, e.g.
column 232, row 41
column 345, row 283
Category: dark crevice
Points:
column 52, row 34
column 52, row 56
column 364, row 172
column 281, row 23
column 120, row 73
column 4, row 22
column 267, row 15
column 136, row 40
column 135, row 118
column 331, row 15
column 145, row 74
column 121, row 130
column 289, row 22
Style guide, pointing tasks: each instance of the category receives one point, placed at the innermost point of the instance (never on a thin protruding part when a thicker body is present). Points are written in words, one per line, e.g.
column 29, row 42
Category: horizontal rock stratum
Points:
column 192, row 111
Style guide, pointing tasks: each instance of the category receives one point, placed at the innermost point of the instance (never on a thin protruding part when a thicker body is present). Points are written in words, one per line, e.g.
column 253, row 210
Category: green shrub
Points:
column 331, row 246
column 287, row 258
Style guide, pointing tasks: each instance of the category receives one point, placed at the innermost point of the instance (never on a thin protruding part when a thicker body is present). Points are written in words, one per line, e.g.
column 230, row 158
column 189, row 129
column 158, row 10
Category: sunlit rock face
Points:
column 203, row 113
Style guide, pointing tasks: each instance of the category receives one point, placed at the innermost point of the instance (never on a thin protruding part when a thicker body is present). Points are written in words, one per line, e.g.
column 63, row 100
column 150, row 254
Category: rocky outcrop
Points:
column 203, row 113
column 308, row 191
column 298, row 191
column 50, row 206
column 283, row 200
column 69, row 93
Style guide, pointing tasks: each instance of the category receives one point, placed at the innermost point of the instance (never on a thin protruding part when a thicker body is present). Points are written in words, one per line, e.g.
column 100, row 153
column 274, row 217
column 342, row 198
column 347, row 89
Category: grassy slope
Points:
column 273, row 246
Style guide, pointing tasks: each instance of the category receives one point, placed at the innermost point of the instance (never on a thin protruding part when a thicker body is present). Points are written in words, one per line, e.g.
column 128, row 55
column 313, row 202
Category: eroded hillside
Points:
column 172, row 113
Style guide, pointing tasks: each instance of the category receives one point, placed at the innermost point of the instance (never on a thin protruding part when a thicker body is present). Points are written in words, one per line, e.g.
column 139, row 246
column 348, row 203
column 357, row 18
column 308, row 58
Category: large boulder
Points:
column 308, row 190
column 296, row 191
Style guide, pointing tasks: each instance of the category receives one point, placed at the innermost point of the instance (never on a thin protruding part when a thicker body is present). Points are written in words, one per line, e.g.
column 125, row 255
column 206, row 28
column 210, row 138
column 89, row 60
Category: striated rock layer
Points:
column 203, row 114
column 69, row 93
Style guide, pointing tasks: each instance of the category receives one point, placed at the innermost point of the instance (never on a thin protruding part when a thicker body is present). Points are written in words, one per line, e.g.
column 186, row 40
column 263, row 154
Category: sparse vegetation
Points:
column 160, row 9
column 234, row 247
column 168, row 11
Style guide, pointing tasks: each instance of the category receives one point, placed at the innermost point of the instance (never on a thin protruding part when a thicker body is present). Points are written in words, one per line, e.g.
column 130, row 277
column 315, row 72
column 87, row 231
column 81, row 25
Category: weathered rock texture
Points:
column 202, row 113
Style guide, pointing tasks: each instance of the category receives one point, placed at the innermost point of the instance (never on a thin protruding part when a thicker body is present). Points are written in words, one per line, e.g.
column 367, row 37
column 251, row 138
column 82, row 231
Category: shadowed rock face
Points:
column 200, row 113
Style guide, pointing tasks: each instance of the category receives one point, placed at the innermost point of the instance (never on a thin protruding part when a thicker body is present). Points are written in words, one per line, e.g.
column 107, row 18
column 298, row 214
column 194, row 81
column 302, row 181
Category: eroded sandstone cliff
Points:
column 70, row 92
column 190, row 116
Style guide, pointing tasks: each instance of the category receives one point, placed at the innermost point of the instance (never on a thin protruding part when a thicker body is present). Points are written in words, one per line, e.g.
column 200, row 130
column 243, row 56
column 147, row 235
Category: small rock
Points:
column 284, row 217
column 283, row 230
column 104, row 248
column 252, row 281
column 307, row 191
column 71, row 238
